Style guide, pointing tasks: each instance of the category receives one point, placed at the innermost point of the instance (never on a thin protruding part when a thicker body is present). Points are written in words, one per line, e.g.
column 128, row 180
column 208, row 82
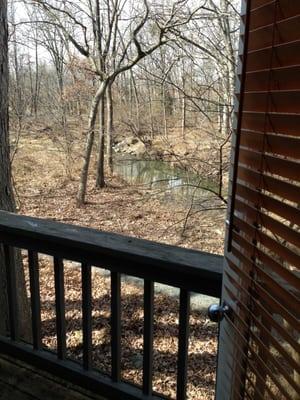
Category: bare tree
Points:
column 117, row 42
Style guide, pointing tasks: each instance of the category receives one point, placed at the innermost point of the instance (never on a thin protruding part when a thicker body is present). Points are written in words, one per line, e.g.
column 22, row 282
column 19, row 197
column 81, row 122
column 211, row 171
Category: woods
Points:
column 117, row 69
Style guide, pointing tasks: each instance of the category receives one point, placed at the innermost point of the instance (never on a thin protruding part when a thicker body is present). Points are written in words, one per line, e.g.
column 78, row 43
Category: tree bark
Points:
column 165, row 122
column 137, row 101
column 36, row 86
column 6, row 194
column 110, row 129
column 89, row 143
column 100, row 179
column 150, row 109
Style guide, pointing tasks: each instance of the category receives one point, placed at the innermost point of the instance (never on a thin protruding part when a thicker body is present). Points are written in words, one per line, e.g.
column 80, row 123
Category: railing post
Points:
column 11, row 292
column 33, row 262
column 116, row 326
column 183, row 343
column 60, row 308
column 148, row 337
column 86, row 315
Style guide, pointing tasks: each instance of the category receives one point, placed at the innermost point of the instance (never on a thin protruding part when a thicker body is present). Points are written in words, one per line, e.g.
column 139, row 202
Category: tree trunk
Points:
column 183, row 102
column 89, row 143
column 100, row 179
column 36, row 87
column 110, row 129
column 183, row 116
column 163, row 95
column 137, row 102
column 18, row 100
column 130, row 97
column 6, row 195
column 31, row 85
column 150, row 109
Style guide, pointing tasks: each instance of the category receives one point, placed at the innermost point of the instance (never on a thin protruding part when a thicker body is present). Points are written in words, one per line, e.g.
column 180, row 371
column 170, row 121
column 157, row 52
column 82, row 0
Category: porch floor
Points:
column 20, row 381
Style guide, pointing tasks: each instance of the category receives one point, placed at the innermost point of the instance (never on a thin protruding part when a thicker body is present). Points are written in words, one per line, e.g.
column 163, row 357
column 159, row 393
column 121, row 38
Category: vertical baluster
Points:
column 116, row 326
column 35, row 299
column 87, row 315
column 11, row 292
column 148, row 337
column 184, row 314
column 60, row 308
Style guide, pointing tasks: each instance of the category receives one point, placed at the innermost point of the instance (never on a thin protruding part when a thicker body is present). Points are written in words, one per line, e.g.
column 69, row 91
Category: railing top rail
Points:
column 194, row 270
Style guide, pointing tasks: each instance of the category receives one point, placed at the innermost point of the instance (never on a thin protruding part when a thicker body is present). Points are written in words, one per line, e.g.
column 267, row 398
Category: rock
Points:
column 131, row 145
column 138, row 149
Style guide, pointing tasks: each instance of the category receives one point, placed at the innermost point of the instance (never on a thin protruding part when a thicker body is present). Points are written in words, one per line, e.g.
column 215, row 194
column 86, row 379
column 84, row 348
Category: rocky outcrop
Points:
column 131, row 145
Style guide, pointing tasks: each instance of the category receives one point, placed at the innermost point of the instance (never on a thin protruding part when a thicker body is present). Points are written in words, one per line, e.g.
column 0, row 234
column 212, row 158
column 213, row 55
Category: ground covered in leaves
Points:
column 44, row 190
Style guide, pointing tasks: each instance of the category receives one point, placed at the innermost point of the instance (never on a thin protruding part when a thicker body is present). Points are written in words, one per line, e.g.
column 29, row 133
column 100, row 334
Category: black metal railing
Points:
column 188, row 270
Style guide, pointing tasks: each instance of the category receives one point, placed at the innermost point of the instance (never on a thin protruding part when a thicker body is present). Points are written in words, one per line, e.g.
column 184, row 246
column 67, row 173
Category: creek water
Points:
column 171, row 183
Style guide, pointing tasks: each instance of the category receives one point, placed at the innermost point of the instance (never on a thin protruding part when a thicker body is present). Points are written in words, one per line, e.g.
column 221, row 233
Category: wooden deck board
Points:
column 19, row 381
column 8, row 392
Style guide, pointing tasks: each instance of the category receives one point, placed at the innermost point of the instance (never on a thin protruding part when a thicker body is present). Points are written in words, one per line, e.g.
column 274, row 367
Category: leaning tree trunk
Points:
column 100, row 179
column 89, row 143
column 6, row 195
column 137, row 101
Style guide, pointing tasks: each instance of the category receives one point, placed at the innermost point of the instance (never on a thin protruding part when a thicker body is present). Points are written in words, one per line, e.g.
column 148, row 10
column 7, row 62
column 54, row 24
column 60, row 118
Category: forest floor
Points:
column 44, row 190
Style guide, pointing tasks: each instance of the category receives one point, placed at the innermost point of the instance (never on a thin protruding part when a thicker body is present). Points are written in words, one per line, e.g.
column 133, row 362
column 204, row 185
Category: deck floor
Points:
column 19, row 381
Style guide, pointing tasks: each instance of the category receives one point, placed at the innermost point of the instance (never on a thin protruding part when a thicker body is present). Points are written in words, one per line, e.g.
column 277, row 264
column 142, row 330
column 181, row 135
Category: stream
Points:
column 173, row 184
